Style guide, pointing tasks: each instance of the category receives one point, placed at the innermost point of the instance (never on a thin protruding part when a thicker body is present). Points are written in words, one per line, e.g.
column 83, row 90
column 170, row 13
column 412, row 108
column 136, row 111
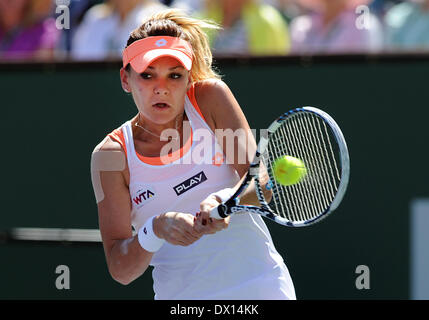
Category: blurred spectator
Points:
column 77, row 9
column 248, row 27
column 189, row 6
column 407, row 25
column 105, row 28
column 288, row 8
column 27, row 29
column 334, row 26
column 380, row 7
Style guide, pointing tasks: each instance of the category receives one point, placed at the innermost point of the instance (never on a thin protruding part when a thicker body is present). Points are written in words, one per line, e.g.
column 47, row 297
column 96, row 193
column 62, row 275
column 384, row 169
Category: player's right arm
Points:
column 125, row 257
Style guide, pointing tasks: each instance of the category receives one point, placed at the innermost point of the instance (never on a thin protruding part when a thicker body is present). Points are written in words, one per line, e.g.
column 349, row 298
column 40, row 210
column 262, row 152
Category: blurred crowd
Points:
column 98, row 30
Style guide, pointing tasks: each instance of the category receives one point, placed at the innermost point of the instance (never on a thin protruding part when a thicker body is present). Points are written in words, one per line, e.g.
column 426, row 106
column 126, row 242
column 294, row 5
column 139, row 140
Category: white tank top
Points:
column 239, row 262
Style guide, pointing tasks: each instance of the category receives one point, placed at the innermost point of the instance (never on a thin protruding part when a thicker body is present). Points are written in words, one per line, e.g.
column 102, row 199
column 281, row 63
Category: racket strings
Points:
column 325, row 195
column 309, row 206
column 303, row 209
column 322, row 194
column 305, row 136
column 331, row 151
column 312, row 188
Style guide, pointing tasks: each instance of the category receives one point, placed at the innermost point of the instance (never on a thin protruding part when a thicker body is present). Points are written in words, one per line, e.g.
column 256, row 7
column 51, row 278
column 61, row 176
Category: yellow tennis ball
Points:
column 288, row 170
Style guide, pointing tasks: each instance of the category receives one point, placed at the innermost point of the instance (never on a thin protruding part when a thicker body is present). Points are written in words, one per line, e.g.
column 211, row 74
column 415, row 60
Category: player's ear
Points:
column 190, row 81
column 125, row 78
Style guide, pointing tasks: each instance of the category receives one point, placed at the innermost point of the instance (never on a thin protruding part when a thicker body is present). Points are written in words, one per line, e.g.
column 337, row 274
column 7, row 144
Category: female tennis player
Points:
column 175, row 165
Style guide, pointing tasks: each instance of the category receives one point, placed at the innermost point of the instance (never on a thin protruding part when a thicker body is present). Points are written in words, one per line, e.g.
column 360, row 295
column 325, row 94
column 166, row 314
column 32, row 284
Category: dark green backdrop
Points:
column 53, row 115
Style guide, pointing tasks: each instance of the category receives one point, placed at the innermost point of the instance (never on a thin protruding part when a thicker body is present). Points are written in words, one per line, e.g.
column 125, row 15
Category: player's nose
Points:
column 161, row 88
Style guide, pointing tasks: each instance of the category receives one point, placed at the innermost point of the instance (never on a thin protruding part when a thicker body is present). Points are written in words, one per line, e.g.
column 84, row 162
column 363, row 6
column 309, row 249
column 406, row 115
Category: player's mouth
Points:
column 161, row 105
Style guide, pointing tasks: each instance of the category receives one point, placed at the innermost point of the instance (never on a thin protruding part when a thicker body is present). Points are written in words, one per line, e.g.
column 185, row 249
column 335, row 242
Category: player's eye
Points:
column 146, row 76
column 175, row 76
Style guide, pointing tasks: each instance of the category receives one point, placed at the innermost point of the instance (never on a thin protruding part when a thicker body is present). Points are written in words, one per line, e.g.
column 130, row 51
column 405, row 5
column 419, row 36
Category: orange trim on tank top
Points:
column 191, row 96
column 171, row 157
column 118, row 135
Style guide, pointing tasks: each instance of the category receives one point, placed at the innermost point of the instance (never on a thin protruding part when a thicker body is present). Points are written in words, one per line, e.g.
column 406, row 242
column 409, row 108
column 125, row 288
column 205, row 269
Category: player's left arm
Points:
column 226, row 118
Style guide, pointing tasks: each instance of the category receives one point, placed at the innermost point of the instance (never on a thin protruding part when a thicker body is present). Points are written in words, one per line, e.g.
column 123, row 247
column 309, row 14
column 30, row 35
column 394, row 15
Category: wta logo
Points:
column 143, row 196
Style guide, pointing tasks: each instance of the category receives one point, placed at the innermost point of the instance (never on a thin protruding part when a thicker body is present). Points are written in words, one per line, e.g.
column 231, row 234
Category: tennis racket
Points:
column 311, row 135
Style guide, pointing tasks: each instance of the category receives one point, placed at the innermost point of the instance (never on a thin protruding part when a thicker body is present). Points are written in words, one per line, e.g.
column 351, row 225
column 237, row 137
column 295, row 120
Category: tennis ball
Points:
column 288, row 170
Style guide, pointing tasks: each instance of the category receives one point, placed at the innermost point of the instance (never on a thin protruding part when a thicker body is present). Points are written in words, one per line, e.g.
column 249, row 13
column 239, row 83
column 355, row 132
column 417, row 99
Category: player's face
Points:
column 159, row 92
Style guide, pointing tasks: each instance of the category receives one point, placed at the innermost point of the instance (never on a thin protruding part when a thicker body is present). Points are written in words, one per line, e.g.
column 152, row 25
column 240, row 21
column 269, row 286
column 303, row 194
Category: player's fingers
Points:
column 211, row 225
column 192, row 234
column 180, row 242
column 203, row 224
column 209, row 203
column 175, row 240
column 222, row 223
column 199, row 225
column 204, row 215
column 219, row 224
column 183, row 239
column 188, row 233
column 204, row 218
column 182, row 234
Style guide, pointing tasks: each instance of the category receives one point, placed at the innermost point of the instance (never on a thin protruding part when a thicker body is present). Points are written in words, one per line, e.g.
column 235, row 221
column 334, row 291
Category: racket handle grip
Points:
column 218, row 212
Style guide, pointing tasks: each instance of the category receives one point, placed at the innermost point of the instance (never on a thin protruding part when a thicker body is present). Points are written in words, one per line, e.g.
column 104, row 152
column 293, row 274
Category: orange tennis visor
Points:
column 141, row 53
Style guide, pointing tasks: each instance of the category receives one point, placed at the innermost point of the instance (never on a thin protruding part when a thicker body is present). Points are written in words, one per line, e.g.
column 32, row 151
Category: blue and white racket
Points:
column 313, row 136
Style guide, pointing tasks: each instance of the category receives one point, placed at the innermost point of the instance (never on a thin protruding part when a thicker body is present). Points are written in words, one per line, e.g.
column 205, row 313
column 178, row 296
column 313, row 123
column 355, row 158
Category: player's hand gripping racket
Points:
column 314, row 137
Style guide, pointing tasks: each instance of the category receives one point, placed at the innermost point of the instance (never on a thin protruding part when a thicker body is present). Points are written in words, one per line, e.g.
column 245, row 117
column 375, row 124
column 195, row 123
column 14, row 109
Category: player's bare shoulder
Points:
column 213, row 97
column 108, row 144
column 211, row 90
column 109, row 155
column 108, row 162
